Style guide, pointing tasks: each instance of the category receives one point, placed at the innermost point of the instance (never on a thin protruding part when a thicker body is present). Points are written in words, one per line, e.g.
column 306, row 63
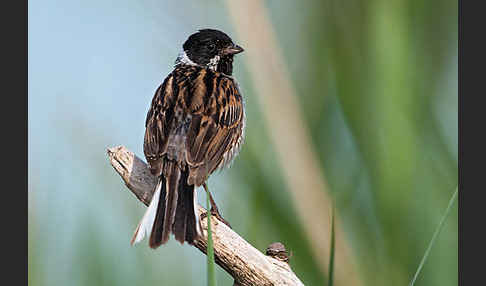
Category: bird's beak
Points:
column 233, row 50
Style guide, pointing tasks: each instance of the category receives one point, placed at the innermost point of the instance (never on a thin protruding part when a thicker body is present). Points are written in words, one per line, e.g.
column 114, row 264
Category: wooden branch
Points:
column 246, row 264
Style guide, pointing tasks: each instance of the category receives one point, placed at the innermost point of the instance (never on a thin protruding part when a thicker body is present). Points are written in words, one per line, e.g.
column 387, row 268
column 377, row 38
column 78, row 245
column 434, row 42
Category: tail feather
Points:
column 180, row 223
column 179, row 226
column 186, row 225
column 160, row 234
column 157, row 228
column 145, row 225
column 172, row 209
column 193, row 228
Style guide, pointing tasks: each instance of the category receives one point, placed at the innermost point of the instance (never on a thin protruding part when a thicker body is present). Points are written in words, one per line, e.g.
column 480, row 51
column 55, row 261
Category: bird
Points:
column 194, row 126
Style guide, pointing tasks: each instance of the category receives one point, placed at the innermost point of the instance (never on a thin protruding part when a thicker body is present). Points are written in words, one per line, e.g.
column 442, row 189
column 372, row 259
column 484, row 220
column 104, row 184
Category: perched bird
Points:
column 194, row 126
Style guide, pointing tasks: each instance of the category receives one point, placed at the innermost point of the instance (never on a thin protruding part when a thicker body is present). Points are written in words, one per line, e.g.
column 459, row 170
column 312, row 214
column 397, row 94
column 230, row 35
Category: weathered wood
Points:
column 246, row 264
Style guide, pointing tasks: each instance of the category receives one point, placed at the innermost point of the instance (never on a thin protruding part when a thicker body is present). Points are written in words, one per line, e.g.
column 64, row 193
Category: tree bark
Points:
column 246, row 264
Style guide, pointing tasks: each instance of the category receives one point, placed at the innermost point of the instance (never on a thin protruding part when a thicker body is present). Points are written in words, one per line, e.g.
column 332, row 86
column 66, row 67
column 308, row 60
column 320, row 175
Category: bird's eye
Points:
column 211, row 47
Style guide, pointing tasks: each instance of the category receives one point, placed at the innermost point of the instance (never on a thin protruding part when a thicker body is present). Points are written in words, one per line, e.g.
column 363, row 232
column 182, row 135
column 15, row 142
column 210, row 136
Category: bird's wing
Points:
column 197, row 115
column 157, row 124
column 216, row 128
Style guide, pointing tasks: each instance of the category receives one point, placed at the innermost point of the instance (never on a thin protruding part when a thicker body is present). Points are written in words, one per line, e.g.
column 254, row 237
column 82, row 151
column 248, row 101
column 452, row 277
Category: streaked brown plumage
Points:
column 195, row 125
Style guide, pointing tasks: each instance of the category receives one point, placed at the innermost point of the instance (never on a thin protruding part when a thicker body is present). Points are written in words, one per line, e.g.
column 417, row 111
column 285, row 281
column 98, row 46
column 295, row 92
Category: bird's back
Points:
column 197, row 120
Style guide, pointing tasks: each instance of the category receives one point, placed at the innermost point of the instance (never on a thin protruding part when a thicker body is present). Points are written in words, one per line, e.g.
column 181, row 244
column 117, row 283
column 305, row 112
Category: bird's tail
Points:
column 172, row 209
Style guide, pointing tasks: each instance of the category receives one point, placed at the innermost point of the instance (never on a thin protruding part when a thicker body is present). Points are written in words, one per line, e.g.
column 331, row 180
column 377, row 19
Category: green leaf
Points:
column 210, row 254
column 434, row 237
column 331, row 256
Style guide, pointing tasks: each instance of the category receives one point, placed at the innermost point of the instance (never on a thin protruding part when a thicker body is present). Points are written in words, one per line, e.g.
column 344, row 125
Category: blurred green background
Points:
column 375, row 80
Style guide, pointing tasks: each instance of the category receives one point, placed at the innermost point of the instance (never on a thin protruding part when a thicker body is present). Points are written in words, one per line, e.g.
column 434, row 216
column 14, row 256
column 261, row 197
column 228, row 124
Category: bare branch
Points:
column 246, row 264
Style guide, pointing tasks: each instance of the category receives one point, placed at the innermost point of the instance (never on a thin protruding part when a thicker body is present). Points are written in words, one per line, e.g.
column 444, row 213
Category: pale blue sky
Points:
column 93, row 69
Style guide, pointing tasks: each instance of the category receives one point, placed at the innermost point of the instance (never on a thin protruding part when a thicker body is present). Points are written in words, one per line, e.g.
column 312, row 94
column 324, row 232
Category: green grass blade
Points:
column 210, row 254
column 331, row 256
column 434, row 237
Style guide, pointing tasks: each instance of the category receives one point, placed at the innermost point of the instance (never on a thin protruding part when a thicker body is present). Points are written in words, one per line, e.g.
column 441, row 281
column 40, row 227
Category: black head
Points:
column 210, row 48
